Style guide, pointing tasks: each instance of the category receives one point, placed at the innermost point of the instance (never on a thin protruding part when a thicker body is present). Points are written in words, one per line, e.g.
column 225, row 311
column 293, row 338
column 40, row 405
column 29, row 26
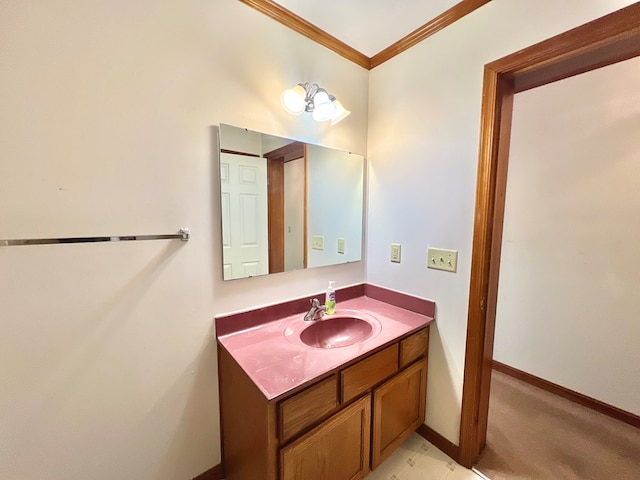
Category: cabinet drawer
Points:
column 365, row 374
column 414, row 347
column 307, row 407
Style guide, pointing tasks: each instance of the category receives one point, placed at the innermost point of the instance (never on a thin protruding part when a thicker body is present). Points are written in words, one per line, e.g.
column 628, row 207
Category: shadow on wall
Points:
column 446, row 398
column 201, row 381
column 214, row 201
column 76, row 369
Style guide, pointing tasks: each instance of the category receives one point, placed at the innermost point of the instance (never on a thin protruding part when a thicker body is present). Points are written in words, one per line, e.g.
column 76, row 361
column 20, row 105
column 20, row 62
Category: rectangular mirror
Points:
column 286, row 204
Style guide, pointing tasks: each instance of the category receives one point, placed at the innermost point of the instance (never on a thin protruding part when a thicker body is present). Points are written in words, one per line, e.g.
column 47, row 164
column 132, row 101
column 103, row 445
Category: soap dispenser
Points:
column 330, row 299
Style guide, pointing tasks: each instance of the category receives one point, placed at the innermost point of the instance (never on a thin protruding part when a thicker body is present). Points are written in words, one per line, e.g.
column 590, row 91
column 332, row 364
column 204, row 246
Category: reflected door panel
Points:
column 243, row 182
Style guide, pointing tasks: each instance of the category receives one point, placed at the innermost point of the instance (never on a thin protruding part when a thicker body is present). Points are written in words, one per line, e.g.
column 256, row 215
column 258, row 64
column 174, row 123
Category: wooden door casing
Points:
column 604, row 41
column 275, row 172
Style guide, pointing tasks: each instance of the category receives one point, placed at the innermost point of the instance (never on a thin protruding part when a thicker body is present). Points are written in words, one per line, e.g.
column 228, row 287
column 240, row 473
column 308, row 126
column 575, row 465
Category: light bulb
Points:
column 323, row 106
column 293, row 100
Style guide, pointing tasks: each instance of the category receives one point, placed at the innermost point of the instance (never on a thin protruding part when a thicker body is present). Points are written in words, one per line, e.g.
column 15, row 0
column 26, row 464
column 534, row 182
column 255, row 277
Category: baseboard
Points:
column 215, row 473
column 433, row 437
column 592, row 403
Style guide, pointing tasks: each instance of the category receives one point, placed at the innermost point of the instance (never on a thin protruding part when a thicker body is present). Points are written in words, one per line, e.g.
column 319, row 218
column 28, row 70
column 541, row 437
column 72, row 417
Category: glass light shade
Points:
column 340, row 112
column 293, row 100
column 324, row 107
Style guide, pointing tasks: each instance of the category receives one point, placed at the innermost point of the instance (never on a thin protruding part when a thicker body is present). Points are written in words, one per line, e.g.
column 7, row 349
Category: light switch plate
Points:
column 395, row 252
column 442, row 259
column 341, row 245
column 317, row 242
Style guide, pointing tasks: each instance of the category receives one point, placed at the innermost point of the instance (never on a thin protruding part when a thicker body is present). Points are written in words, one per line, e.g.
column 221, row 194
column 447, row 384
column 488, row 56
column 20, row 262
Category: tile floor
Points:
column 417, row 459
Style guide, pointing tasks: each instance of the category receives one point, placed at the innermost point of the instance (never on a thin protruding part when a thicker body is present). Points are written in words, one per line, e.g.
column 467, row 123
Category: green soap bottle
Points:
column 330, row 299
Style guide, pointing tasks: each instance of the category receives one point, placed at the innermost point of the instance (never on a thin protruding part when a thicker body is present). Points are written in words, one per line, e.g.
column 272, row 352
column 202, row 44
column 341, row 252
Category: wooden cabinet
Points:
column 398, row 409
column 339, row 427
column 307, row 408
column 360, row 377
column 414, row 347
column 338, row 449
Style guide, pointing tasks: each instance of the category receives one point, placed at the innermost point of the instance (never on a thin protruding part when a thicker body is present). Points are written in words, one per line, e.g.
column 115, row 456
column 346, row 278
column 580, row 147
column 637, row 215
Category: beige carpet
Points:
column 535, row 435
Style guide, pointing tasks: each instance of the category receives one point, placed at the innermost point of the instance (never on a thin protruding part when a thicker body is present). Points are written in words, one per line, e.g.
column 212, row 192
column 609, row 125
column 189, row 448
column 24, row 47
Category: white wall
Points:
column 424, row 117
column 107, row 353
column 570, row 273
column 335, row 183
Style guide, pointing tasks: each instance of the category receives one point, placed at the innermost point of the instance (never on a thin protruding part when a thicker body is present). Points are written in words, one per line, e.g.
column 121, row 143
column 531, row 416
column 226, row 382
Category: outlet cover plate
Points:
column 395, row 252
column 442, row 259
column 341, row 245
column 317, row 242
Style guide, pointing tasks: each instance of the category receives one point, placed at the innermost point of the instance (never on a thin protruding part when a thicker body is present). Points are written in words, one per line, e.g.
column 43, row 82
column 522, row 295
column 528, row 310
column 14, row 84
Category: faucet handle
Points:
column 315, row 311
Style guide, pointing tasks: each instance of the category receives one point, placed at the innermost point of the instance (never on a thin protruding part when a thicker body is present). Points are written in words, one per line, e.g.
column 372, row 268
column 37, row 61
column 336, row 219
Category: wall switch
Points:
column 395, row 252
column 317, row 242
column 442, row 259
column 341, row 245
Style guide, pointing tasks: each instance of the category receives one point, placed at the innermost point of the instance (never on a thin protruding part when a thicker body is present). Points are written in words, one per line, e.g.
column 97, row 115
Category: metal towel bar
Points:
column 183, row 235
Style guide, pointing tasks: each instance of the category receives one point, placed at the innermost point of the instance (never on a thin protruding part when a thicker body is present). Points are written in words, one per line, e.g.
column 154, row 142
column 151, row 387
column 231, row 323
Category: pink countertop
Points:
column 277, row 361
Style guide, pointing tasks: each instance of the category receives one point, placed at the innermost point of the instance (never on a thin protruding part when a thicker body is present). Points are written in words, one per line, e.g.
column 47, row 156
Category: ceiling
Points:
column 368, row 26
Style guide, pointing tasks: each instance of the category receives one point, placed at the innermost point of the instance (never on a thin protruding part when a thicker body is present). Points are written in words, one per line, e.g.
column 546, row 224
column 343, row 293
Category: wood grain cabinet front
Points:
column 338, row 449
column 307, row 407
column 360, row 377
column 398, row 409
column 338, row 428
column 414, row 347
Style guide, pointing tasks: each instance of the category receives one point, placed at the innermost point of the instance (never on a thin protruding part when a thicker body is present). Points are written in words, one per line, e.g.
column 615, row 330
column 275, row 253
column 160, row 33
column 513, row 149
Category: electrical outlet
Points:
column 317, row 242
column 341, row 245
column 441, row 259
column 395, row 252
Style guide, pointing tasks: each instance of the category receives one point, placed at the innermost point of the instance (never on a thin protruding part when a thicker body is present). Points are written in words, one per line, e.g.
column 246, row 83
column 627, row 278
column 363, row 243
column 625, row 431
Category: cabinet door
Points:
column 398, row 409
column 338, row 449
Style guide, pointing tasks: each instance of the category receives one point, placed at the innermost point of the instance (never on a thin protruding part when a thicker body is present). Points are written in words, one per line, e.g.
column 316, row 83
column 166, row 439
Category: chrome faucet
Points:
column 316, row 312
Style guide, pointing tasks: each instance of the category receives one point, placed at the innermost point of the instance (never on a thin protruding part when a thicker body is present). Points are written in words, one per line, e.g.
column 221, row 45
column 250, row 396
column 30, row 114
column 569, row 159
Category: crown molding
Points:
column 442, row 21
column 300, row 25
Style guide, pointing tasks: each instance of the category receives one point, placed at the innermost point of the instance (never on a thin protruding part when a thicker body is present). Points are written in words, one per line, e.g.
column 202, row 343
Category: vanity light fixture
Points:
column 305, row 97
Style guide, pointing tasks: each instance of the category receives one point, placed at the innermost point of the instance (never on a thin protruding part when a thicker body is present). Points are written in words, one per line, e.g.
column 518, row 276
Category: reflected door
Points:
column 245, row 249
column 294, row 214
column 285, row 225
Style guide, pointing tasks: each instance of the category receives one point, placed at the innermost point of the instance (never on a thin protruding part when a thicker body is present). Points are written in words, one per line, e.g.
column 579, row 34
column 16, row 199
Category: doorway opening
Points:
column 605, row 41
column 287, row 207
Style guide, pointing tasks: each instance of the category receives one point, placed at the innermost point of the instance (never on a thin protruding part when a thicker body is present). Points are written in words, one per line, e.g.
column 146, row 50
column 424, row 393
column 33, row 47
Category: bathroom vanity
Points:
column 290, row 410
